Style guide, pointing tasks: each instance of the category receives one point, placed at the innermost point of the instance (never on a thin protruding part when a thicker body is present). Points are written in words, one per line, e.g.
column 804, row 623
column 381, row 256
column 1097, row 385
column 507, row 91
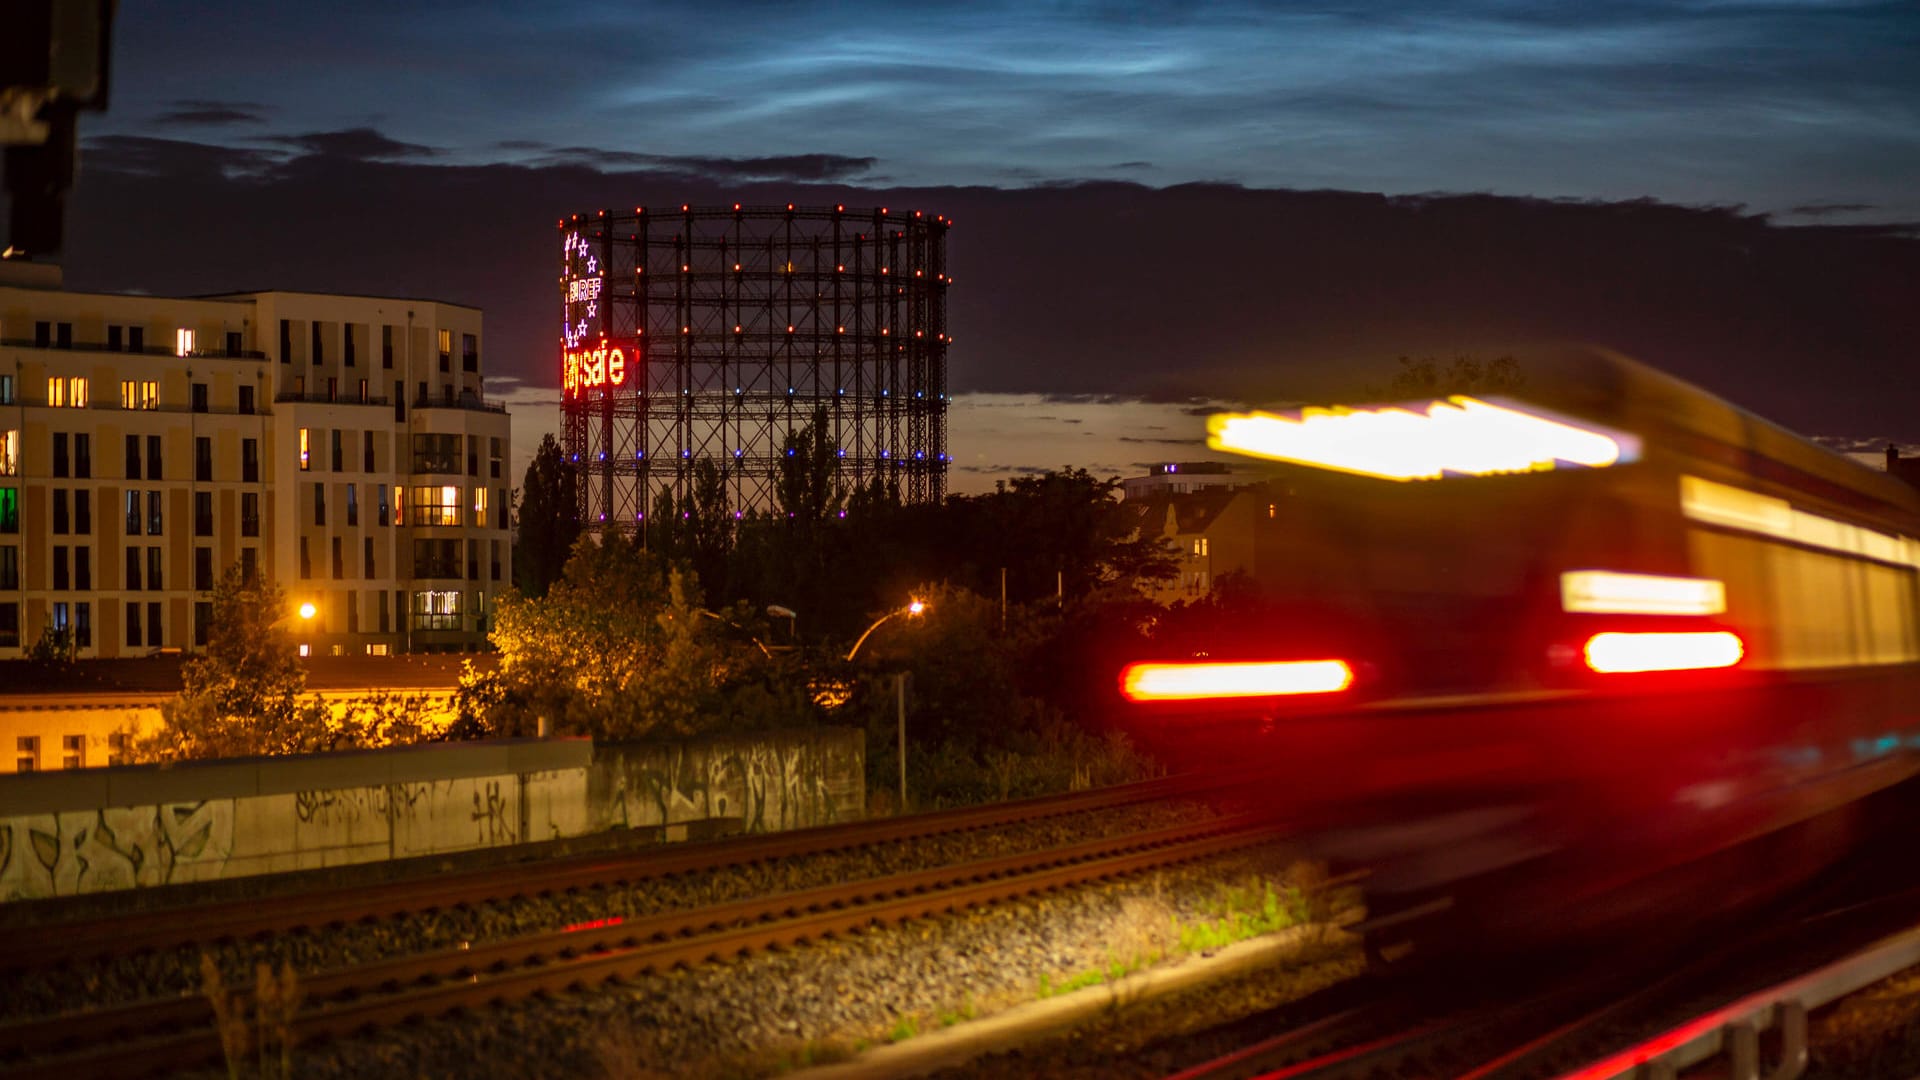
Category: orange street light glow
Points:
column 1194, row 682
column 1608, row 593
column 916, row 608
column 307, row 610
column 1461, row 435
column 1617, row 653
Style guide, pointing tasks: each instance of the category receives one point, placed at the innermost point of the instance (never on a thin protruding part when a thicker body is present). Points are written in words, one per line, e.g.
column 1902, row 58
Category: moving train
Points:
column 1533, row 659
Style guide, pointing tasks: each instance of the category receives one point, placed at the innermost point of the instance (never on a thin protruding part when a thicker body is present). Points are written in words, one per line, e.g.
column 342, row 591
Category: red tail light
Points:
column 1616, row 653
column 1201, row 681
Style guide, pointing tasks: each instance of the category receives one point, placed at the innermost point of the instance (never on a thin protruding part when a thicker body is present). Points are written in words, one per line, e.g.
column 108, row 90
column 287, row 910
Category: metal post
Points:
column 1003, row 599
column 900, row 700
column 1060, row 588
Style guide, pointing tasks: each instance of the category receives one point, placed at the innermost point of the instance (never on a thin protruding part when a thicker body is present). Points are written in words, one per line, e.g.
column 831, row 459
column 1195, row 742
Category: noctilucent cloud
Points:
column 1795, row 107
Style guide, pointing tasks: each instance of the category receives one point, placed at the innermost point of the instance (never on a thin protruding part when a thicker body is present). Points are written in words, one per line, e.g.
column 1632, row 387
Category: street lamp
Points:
column 305, row 613
column 913, row 608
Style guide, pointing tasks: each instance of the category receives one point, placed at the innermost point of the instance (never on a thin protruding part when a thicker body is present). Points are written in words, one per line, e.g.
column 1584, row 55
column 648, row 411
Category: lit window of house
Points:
column 183, row 342
column 434, row 506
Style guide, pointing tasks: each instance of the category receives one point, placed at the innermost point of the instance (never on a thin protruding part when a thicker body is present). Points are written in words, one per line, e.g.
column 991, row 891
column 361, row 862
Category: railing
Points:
column 469, row 404
column 314, row 397
column 144, row 350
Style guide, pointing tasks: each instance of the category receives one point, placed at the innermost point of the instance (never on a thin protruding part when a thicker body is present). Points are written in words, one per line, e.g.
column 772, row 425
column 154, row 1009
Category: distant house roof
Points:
column 1193, row 511
column 159, row 676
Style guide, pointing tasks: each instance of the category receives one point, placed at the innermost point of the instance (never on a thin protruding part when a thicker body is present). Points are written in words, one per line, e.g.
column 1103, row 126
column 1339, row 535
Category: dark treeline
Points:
column 665, row 631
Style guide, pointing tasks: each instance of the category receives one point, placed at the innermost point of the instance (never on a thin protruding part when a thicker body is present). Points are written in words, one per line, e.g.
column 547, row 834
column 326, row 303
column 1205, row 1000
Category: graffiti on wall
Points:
column 115, row 848
column 768, row 783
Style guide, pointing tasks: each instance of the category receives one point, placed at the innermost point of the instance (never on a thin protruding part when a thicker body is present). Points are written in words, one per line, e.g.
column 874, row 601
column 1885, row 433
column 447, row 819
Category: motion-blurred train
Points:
column 1534, row 658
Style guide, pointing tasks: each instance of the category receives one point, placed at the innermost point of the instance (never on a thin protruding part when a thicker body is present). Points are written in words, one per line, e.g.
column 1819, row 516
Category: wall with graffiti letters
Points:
column 766, row 781
column 96, row 830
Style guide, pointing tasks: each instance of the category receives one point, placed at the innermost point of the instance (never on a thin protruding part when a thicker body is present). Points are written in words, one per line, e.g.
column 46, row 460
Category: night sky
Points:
column 1157, row 207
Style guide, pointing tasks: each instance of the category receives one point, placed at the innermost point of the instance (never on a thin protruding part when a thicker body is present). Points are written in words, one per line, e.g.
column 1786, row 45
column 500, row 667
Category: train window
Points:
column 1804, row 609
column 1889, row 614
column 1738, row 562
column 1814, row 608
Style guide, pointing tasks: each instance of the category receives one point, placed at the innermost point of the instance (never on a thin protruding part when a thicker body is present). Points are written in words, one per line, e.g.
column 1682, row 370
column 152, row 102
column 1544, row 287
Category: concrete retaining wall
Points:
column 770, row 781
column 97, row 830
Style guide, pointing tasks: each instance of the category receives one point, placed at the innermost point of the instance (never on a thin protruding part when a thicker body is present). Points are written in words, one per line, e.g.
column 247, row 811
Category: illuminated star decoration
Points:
column 581, row 263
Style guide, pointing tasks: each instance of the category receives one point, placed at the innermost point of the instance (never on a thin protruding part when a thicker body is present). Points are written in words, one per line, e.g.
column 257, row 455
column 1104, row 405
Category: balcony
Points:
column 145, row 350
column 321, row 397
column 470, row 404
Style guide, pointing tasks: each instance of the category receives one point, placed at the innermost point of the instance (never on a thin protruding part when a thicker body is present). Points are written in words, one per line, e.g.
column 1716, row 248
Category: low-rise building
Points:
column 87, row 714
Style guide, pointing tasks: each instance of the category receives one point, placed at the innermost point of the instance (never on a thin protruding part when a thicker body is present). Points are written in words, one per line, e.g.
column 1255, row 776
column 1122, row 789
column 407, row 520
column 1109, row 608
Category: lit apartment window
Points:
column 139, row 394
column 306, row 451
column 9, row 453
column 183, row 342
column 434, row 506
column 446, row 350
column 436, row 610
column 67, row 392
column 479, row 507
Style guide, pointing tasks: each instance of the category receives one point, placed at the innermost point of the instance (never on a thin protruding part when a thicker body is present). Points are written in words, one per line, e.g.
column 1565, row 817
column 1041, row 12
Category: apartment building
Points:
column 341, row 445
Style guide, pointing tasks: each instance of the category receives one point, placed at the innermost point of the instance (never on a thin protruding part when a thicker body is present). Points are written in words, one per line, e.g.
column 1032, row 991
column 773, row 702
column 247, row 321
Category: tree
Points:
column 708, row 519
column 243, row 695
column 1060, row 532
column 621, row 648
column 805, row 488
column 548, row 521
column 1463, row 375
column 55, row 647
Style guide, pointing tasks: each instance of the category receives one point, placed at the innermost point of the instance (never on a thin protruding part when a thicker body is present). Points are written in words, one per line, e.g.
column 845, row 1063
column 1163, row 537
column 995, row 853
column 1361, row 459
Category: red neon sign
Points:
column 585, row 369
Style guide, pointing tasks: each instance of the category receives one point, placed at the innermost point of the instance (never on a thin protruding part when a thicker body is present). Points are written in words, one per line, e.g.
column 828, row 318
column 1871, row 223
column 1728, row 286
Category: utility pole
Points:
column 900, row 701
column 1003, row 600
column 1060, row 588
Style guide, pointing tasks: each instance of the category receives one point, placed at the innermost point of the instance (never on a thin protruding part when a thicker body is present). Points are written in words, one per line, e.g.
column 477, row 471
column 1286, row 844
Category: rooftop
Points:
column 159, row 676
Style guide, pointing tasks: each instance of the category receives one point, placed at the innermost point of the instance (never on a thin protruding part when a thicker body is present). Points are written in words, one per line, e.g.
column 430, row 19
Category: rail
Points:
column 1735, row 1029
column 433, row 984
column 65, row 943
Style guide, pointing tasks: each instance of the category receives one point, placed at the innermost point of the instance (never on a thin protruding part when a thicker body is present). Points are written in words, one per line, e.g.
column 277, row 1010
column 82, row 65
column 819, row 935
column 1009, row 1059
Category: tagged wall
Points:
column 770, row 781
column 97, row 830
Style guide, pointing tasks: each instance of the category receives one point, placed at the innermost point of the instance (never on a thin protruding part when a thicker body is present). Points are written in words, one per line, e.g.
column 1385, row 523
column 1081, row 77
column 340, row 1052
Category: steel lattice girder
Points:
column 740, row 325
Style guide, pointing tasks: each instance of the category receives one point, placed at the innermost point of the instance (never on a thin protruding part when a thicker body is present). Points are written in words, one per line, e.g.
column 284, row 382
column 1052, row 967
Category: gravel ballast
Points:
column 177, row 971
column 765, row 1013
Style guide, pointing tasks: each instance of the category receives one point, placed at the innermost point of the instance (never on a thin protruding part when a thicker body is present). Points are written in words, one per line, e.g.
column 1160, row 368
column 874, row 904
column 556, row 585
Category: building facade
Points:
column 342, row 446
column 1180, row 478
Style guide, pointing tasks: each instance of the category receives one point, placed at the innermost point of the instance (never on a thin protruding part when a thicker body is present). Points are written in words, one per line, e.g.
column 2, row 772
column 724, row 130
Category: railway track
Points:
column 134, row 1040
column 57, row 944
column 1593, row 1017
